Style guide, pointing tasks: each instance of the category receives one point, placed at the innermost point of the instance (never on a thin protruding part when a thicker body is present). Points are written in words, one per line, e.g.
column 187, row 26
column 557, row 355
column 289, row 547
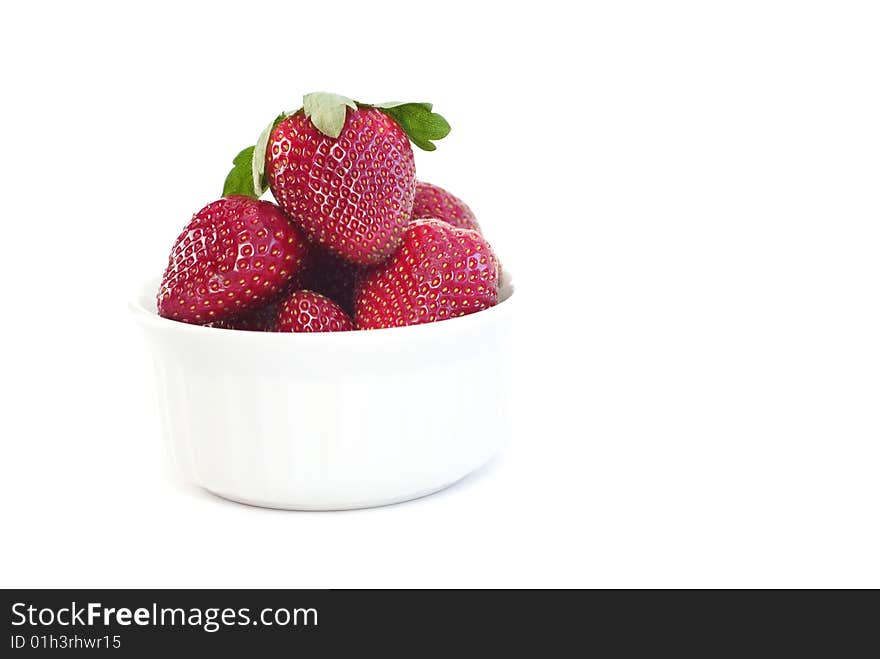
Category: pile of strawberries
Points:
column 354, row 242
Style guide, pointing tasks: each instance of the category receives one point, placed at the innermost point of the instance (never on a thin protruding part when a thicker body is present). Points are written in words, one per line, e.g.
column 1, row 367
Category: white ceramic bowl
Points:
column 330, row 421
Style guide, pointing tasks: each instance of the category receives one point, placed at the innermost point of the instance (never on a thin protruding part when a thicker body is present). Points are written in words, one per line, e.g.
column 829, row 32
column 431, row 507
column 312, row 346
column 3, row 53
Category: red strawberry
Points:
column 352, row 195
column 434, row 201
column 235, row 255
column 330, row 276
column 344, row 171
column 307, row 311
column 439, row 272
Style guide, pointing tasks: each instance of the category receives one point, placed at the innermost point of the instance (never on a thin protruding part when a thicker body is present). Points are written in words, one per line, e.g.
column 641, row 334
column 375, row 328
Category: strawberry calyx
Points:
column 240, row 180
column 419, row 121
column 248, row 174
column 258, row 157
column 327, row 113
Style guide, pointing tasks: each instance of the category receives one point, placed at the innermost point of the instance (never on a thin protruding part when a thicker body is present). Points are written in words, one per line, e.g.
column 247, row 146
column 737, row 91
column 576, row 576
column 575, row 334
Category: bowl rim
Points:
column 149, row 318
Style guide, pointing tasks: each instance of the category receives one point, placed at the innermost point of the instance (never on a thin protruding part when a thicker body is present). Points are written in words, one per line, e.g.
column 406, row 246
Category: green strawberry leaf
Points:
column 240, row 180
column 327, row 111
column 248, row 174
column 421, row 125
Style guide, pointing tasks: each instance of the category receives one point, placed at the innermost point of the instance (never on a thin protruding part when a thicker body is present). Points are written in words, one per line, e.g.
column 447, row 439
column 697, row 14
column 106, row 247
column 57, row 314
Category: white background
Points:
column 687, row 193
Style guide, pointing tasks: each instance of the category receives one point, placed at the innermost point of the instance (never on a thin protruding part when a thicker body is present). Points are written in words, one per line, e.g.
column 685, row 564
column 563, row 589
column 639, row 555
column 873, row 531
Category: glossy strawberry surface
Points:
column 433, row 201
column 439, row 272
column 307, row 311
column 352, row 195
column 234, row 256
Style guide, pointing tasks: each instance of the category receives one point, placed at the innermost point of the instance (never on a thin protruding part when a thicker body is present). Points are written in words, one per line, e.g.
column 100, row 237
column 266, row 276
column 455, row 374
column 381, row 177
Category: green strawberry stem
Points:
column 327, row 113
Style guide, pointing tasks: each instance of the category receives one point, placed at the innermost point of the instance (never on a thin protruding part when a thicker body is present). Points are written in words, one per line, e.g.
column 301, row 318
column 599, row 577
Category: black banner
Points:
column 412, row 623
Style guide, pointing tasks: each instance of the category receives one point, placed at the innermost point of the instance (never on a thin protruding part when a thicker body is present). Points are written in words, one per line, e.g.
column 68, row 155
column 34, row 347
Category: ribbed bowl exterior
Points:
column 330, row 421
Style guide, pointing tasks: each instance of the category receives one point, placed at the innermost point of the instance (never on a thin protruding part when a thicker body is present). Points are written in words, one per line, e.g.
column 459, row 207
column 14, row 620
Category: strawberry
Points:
column 343, row 171
column 307, row 311
column 434, row 201
column 330, row 276
column 235, row 255
column 352, row 195
column 439, row 272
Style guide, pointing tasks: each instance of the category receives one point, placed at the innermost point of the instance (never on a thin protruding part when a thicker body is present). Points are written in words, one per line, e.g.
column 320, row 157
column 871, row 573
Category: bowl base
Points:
column 355, row 505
